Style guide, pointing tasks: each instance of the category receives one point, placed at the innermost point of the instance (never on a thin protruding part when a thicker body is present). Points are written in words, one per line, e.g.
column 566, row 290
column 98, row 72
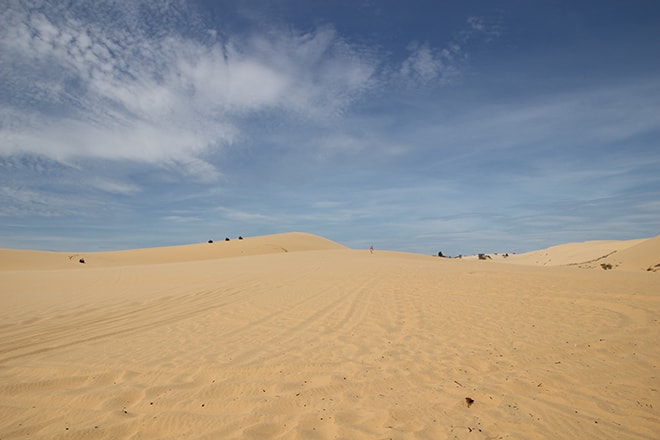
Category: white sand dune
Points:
column 250, row 341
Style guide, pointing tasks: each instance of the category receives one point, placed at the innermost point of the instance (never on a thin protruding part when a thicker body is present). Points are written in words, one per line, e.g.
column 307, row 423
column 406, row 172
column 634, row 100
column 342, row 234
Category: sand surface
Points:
column 292, row 336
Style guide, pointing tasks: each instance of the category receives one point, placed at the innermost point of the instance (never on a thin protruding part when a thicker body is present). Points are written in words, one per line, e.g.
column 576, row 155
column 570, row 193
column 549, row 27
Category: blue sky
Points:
column 461, row 126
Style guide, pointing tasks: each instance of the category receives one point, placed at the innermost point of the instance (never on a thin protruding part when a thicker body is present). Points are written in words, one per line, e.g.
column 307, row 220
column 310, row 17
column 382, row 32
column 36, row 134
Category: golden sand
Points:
column 292, row 336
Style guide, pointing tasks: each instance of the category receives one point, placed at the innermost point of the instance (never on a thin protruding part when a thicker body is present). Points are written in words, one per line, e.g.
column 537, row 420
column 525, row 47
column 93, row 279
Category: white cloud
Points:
column 182, row 219
column 113, row 186
column 84, row 88
column 425, row 64
column 326, row 204
column 110, row 84
column 237, row 215
column 359, row 143
column 489, row 27
column 20, row 201
column 583, row 123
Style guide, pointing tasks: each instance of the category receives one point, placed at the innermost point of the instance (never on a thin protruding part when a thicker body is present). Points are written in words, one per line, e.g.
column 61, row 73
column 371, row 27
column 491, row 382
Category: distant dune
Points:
column 292, row 336
column 630, row 255
column 642, row 256
column 265, row 244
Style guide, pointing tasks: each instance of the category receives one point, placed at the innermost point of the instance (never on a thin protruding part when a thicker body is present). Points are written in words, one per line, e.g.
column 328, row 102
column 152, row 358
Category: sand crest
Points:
column 324, row 342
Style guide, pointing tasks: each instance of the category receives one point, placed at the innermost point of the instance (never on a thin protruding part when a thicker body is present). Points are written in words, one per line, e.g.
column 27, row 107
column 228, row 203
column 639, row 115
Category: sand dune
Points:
column 633, row 255
column 642, row 256
column 325, row 342
column 266, row 244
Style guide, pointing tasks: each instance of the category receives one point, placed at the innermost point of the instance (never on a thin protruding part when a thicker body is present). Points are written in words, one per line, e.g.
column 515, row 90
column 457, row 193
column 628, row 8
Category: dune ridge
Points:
column 326, row 342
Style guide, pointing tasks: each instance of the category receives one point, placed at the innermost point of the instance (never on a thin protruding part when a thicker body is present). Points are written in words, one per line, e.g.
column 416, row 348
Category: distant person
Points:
column 371, row 249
